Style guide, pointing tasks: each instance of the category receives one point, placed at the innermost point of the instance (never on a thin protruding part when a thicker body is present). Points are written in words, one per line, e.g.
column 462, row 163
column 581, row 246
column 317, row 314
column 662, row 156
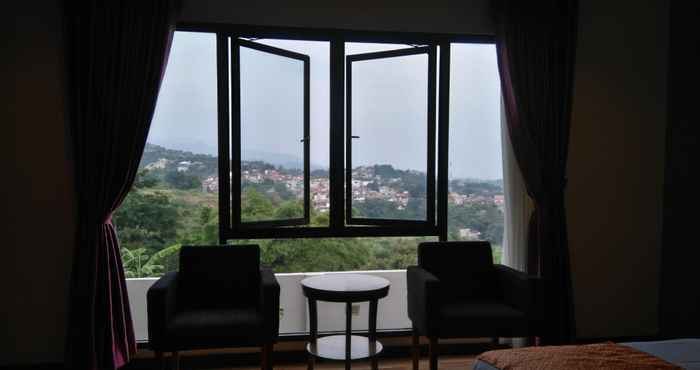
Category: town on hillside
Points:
column 380, row 183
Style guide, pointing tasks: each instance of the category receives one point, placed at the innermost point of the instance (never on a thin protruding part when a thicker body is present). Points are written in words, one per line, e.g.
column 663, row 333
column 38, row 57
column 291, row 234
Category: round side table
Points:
column 348, row 289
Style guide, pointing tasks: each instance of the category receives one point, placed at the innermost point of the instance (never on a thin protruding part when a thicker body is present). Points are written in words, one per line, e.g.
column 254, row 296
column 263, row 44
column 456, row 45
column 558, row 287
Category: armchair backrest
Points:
column 465, row 269
column 219, row 276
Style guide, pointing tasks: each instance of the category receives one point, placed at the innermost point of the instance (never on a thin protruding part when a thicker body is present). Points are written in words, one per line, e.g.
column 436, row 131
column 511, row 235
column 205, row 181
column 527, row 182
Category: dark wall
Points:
column 680, row 277
column 437, row 16
column 616, row 156
column 37, row 207
column 616, row 166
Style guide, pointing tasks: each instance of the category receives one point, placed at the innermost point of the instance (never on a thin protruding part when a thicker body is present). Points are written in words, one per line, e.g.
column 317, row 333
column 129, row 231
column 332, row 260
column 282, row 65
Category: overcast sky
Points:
column 389, row 101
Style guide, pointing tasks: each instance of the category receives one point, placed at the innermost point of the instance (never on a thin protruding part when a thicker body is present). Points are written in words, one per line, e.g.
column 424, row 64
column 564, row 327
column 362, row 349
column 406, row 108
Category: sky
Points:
column 389, row 105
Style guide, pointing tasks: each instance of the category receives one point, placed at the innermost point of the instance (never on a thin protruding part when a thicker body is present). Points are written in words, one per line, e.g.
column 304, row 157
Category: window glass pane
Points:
column 319, row 56
column 389, row 148
column 272, row 130
column 365, row 47
column 475, row 201
column 338, row 254
column 174, row 200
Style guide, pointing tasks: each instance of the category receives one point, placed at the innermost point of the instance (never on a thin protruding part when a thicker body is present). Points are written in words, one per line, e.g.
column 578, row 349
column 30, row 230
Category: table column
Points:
column 373, row 333
column 348, row 334
column 313, row 332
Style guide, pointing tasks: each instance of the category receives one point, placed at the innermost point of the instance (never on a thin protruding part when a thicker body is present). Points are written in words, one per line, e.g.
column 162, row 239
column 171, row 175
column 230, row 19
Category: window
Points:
column 270, row 114
column 475, row 200
column 389, row 94
column 175, row 197
column 390, row 97
column 336, row 151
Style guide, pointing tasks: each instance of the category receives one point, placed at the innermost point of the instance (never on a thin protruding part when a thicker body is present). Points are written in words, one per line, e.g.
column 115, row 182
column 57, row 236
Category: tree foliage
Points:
column 182, row 180
column 167, row 209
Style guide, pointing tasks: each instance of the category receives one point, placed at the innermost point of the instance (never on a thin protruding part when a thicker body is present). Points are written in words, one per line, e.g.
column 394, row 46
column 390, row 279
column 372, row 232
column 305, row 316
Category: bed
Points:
column 684, row 353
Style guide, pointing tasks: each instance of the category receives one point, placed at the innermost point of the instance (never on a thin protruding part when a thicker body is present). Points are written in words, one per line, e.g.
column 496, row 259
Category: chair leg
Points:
column 266, row 357
column 433, row 350
column 310, row 362
column 415, row 349
column 160, row 360
column 176, row 360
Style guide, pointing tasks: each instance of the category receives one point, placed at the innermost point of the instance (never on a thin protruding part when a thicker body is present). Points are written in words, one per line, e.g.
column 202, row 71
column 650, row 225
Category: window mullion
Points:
column 235, row 136
column 443, row 139
column 223, row 106
column 430, row 167
column 336, row 175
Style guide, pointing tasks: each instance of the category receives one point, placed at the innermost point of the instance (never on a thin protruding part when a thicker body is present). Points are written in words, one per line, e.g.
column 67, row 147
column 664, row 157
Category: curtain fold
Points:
column 518, row 205
column 535, row 42
column 116, row 56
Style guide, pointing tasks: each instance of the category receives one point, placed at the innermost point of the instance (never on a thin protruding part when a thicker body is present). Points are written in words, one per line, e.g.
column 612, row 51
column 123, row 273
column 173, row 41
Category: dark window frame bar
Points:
column 223, row 104
column 429, row 219
column 443, row 139
column 236, row 43
column 337, row 39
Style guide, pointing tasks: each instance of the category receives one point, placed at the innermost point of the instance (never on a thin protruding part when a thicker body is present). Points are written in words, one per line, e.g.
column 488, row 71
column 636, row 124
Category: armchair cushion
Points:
column 219, row 277
column 161, row 305
column 521, row 291
column 481, row 319
column 465, row 270
column 423, row 299
column 216, row 328
column 270, row 302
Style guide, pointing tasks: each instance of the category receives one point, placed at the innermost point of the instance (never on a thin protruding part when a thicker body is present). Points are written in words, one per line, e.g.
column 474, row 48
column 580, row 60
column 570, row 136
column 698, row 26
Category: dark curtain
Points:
column 536, row 42
column 116, row 55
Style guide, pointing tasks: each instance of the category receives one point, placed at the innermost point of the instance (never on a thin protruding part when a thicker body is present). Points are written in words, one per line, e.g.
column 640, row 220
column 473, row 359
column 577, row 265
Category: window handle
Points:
column 304, row 139
column 355, row 137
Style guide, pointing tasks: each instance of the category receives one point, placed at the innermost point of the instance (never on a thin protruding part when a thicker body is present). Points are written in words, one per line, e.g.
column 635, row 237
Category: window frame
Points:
column 430, row 51
column 338, row 225
column 236, row 133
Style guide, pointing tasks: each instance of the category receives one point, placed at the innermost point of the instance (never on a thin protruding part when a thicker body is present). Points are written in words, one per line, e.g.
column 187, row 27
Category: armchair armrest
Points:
column 270, row 302
column 521, row 290
column 161, row 305
column 423, row 299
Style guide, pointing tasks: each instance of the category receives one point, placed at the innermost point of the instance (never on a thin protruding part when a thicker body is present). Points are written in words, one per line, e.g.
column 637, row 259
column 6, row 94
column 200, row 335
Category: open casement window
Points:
column 377, row 116
column 283, row 88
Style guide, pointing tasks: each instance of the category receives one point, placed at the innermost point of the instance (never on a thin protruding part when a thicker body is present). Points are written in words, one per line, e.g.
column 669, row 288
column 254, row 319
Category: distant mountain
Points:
column 477, row 186
column 156, row 157
column 154, row 152
column 276, row 159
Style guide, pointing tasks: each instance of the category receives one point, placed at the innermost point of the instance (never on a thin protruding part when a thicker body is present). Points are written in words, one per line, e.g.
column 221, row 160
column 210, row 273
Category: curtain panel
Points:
column 116, row 57
column 535, row 42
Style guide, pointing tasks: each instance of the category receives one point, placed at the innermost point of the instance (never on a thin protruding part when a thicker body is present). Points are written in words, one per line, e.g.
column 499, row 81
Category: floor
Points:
column 446, row 363
column 292, row 356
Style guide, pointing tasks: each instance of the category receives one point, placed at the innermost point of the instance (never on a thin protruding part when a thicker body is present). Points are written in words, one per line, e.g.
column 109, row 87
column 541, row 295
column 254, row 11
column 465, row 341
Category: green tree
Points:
column 289, row 209
column 386, row 171
column 146, row 220
column 255, row 206
column 145, row 179
column 138, row 263
column 208, row 226
column 392, row 253
column 294, row 255
column 183, row 181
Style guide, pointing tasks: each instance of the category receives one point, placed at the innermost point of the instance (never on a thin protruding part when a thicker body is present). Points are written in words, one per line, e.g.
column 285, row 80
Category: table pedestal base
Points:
column 332, row 347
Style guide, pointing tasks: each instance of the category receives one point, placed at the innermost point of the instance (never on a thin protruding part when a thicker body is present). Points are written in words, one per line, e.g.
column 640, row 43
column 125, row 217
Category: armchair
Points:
column 456, row 291
column 220, row 297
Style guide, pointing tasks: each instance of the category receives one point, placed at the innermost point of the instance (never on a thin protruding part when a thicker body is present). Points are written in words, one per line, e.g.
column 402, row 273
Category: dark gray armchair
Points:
column 220, row 297
column 456, row 292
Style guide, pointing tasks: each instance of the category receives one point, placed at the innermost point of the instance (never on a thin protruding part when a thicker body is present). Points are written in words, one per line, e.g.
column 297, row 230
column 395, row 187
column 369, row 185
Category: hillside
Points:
column 161, row 161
